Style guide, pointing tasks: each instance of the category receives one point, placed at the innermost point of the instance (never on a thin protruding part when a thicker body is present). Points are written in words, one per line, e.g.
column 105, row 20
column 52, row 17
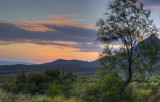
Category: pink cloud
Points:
column 58, row 20
column 34, row 27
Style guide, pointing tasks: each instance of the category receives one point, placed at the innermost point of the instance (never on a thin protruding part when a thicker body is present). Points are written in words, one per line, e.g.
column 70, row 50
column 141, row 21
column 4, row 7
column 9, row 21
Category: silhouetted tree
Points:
column 127, row 21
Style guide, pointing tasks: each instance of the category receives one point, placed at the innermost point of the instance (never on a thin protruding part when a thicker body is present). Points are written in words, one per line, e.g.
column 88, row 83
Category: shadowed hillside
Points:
column 76, row 66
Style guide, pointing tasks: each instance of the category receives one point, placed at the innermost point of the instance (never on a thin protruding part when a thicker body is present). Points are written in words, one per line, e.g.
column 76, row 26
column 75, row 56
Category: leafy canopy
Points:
column 127, row 22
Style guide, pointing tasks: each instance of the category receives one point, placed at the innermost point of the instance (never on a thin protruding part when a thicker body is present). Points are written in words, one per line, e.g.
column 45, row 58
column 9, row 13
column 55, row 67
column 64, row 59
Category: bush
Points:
column 53, row 74
column 69, row 75
column 79, row 89
column 54, row 90
column 155, row 89
column 21, row 78
column 60, row 98
column 33, row 83
column 105, row 90
column 144, row 95
column 36, row 83
column 6, row 86
column 20, row 83
column 4, row 97
column 130, row 95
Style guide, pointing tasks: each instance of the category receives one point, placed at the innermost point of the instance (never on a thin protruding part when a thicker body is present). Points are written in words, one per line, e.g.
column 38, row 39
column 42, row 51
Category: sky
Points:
column 40, row 31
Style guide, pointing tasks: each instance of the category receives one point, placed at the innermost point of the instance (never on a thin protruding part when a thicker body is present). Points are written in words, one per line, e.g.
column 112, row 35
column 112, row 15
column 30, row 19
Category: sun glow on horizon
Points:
column 42, row 54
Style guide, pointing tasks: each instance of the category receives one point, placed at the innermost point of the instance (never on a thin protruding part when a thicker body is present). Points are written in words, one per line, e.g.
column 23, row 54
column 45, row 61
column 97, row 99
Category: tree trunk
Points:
column 128, row 80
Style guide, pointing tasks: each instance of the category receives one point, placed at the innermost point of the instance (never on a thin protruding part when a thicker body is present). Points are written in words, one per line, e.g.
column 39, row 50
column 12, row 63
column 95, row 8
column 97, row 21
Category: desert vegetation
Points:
column 127, row 74
column 56, row 86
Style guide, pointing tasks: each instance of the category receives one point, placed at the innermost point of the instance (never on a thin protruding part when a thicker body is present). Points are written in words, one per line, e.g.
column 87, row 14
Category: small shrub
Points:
column 60, row 98
column 105, row 90
column 54, row 90
column 155, row 89
column 80, row 89
column 130, row 95
column 144, row 95
column 6, row 86
column 4, row 96
column 53, row 74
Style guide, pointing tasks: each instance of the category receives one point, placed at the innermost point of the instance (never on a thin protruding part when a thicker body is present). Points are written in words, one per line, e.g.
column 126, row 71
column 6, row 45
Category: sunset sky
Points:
column 40, row 31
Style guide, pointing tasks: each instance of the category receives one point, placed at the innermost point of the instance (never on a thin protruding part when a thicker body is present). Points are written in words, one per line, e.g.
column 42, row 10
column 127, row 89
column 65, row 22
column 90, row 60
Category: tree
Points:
column 127, row 22
column 148, row 66
column 53, row 74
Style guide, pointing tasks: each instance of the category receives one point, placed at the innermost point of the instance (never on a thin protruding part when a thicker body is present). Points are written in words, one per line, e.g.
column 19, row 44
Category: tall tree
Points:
column 127, row 22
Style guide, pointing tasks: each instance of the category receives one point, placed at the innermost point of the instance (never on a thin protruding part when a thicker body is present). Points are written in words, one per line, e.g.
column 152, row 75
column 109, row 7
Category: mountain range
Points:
column 13, row 63
column 76, row 66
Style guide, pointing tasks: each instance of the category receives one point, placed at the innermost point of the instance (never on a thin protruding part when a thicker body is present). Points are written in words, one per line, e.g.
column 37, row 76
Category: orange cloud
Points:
column 52, row 54
column 34, row 27
column 59, row 20
column 29, row 26
column 60, row 44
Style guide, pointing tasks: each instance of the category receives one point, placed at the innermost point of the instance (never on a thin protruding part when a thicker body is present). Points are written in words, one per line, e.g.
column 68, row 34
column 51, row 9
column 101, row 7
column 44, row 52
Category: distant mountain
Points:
column 13, row 63
column 153, row 38
column 151, row 41
column 87, row 64
column 76, row 66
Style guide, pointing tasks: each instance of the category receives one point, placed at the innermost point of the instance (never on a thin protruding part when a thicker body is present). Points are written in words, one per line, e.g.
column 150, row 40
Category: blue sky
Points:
column 34, row 9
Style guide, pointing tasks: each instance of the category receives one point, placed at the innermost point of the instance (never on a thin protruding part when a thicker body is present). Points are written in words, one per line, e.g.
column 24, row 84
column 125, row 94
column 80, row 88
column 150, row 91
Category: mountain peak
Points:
column 153, row 36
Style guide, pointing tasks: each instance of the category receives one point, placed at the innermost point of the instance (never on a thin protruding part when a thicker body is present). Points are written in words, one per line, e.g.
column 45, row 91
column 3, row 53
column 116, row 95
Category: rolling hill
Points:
column 76, row 66
column 13, row 63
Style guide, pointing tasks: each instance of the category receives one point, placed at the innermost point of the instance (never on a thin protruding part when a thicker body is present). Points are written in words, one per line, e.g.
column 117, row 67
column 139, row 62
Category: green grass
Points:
column 6, row 97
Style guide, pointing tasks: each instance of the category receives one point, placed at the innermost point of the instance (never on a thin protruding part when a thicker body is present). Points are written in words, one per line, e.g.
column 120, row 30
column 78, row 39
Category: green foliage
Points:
column 127, row 21
column 144, row 95
column 60, row 98
column 86, row 89
column 69, row 75
column 68, row 88
column 50, row 82
column 53, row 74
column 79, row 88
column 155, row 89
column 6, row 86
column 54, row 90
column 36, row 83
column 66, row 81
column 32, row 83
column 4, row 96
column 147, row 66
column 20, row 83
column 130, row 95
column 21, row 78
column 106, row 89
column 111, row 85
